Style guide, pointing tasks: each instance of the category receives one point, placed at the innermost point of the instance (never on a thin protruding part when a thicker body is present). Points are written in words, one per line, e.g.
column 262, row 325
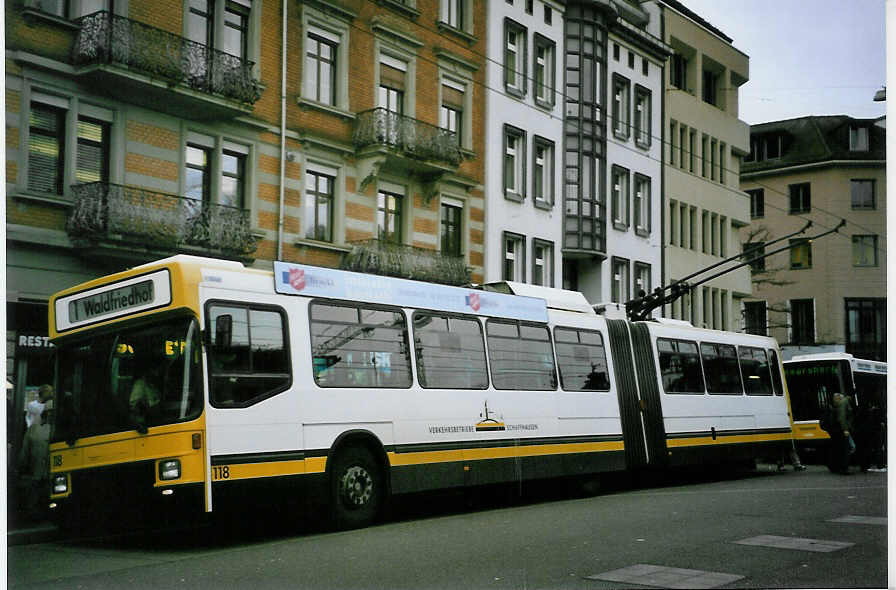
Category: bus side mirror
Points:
column 223, row 331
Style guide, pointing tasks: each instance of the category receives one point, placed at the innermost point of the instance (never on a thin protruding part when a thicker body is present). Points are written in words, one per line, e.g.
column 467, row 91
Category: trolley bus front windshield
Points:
column 811, row 385
column 131, row 379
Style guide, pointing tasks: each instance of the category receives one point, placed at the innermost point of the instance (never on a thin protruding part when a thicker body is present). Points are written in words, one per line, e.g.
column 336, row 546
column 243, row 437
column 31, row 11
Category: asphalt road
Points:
column 551, row 537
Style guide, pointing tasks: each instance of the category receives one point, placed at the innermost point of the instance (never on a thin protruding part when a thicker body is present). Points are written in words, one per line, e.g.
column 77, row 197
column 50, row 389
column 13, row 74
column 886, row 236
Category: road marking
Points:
column 815, row 545
column 882, row 520
column 666, row 577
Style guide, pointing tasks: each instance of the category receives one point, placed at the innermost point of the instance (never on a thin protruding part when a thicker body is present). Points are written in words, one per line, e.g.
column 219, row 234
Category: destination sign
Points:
column 122, row 299
column 110, row 301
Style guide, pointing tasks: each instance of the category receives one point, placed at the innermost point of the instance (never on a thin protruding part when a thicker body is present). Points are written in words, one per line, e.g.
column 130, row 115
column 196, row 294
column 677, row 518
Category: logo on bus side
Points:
column 473, row 301
column 297, row 278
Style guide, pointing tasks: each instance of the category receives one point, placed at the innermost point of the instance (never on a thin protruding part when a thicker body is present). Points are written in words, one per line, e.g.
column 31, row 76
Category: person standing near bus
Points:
column 34, row 456
column 842, row 444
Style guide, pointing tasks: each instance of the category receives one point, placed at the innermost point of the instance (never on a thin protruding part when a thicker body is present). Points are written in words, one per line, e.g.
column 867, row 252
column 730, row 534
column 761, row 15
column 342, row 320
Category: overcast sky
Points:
column 807, row 57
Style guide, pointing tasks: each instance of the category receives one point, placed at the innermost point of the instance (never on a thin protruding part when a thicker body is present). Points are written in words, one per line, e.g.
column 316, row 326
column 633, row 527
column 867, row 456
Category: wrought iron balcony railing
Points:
column 398, row 260
column 415, row 138
column 113, row 212
column 105, row 38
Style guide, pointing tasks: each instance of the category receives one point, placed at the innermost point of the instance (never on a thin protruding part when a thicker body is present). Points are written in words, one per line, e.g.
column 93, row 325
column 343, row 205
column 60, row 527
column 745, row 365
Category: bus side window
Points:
column 450, row 351
column 359, row 346
column 581, row 360
column 521, row 356
column 755, row 370
column 775, row 366
column 680, row 366
column 250, row 363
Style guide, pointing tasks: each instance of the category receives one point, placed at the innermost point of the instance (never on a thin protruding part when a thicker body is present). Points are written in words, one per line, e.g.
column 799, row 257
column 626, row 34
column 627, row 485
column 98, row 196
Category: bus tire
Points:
column 357, row 488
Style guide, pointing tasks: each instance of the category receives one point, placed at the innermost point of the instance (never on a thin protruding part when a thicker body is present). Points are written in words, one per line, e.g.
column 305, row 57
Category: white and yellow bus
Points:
column 813, row 379
column 188, row 378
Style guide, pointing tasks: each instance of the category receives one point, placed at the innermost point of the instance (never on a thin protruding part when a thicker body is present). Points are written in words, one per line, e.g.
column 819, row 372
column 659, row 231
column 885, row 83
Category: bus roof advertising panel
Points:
column 312, row 281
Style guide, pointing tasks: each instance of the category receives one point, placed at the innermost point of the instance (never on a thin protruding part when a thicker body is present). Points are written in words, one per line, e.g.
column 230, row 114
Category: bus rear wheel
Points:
column 357, row 488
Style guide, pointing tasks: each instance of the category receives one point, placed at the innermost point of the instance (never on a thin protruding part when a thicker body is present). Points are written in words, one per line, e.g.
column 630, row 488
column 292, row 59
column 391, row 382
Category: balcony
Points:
column 398, row 260
column 133, row 222
column 157, row 69
column 384, row 139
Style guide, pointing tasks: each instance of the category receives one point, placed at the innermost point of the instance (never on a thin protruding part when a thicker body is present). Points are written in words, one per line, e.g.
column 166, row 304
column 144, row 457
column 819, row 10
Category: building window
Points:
column 862, row 193
column 454, row 13
column 392, row 87
column 514, row 257
column 621, row 106
column 236, row 28
column 543, row 171
column 642, row 279
column 548, row 15
column 389, row 216
column 704, row 160
column 200, row 21
column 451, row 112
column 673, row 139
column 320, row 69
column 755, row 318
column 802, row 321
column 710, row 87
column 233, row 178
column 619, row 197
column 46, row 149
column 451, row 221
column 92, row 151
column 713, row 147
column 678, row 72
column 800, row 253
column 514, row 57
column 514, row 163
column 542, row 263
column 642, row 117
column 858, row 139
column 723, row 161
column 800, row 198
column 866, row 328
column 545, row 77
column 692, row 150
column 642, row 205
column 317, row 218
column 620, row 282
column 757, row 203
column 682, row 146
column 530, row 6
column 755, row 250
column 864, row 250
column 198, row 173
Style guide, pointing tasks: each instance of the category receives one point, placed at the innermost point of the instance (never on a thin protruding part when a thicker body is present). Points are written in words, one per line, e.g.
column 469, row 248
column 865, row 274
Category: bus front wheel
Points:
column 357, row 488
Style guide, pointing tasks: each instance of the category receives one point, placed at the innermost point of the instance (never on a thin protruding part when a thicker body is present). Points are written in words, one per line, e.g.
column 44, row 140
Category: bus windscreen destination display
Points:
column 121, row 299
column 133, row 295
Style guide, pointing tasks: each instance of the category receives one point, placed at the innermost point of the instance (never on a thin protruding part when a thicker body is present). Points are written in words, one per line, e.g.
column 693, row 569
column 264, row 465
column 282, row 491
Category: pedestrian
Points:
column 792, row 457
column 842, row 443
column 869, row 436
column 34, row 457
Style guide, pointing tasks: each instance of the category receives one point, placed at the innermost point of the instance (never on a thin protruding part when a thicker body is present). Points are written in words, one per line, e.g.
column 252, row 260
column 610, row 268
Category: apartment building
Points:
column 703, row 147
column 338, row 133
column 524, row 131
column 612, row 184
column 828, row 294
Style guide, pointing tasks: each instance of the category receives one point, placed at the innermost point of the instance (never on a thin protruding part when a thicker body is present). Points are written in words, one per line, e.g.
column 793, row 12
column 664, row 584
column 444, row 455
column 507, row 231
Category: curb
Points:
column 39, row 533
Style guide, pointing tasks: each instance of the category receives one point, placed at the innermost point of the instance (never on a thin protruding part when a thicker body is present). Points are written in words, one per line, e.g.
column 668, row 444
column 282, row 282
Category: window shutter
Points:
column 93, row 140
column 391, row 77
column 452, row 98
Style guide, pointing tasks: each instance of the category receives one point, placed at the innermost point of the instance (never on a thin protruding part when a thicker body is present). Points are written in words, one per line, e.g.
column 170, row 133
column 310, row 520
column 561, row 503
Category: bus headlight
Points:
column 169, row 469
column 60, row 484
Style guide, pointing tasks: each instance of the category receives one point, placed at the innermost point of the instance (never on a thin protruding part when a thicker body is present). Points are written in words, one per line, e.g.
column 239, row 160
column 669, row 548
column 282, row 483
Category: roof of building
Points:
column 676, row 5
column 814, row 139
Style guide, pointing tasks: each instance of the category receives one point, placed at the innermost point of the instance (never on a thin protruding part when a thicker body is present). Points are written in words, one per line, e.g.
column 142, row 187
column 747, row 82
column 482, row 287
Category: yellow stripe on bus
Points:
column 724, row 440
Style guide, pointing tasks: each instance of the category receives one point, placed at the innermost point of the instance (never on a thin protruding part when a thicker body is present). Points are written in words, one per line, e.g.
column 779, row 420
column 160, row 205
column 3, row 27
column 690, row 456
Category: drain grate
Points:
column 666, row 577
column 815, row 545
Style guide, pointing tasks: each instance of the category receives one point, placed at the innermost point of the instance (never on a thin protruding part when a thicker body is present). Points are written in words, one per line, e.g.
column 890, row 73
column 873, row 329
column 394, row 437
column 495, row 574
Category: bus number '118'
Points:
column 220, row 472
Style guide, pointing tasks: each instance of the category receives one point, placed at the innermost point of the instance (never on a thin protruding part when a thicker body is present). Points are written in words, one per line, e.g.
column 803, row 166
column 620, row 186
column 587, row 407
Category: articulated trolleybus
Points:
column 189, row 378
